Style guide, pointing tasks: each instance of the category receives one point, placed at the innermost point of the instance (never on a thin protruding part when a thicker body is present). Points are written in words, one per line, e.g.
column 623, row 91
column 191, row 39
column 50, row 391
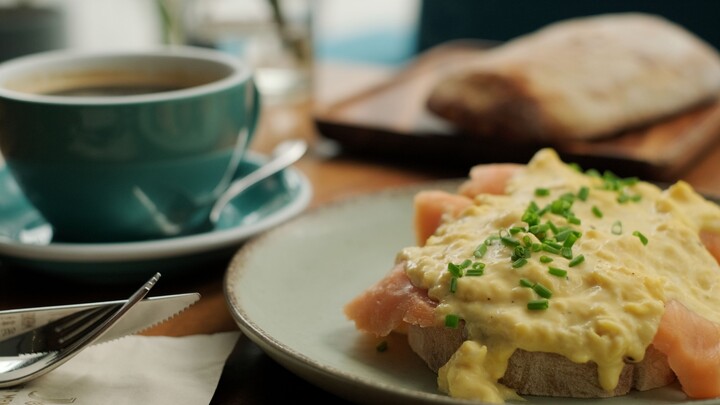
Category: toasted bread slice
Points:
column 546, row 374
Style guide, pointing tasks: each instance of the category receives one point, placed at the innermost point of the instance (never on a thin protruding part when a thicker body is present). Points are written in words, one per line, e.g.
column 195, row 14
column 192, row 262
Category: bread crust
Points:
column 546, row 374
column 584, row 78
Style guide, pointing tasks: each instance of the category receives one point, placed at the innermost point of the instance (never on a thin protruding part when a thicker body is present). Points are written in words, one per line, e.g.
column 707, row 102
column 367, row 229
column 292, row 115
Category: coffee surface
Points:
column 109, row 83
column 114, row 90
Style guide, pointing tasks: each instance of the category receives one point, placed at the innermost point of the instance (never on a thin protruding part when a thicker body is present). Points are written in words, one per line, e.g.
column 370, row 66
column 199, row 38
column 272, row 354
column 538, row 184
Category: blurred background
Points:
column 387, row 33
column 374, row 31
column 283, row 39
column 291, row 43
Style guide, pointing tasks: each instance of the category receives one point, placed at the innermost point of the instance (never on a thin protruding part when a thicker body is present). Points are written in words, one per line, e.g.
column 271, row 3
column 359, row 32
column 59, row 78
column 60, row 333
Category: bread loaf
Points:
column 585, row 78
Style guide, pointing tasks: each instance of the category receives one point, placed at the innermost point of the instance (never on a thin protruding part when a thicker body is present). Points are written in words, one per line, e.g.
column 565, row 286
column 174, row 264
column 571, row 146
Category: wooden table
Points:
column 250, row 377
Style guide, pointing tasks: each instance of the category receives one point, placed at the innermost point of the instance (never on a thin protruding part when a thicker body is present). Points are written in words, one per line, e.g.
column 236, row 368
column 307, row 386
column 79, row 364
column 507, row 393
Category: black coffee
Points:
column 115, row 90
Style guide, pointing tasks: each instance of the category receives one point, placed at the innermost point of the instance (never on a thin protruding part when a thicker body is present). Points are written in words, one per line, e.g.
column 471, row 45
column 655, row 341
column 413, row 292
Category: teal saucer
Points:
column 26, row 241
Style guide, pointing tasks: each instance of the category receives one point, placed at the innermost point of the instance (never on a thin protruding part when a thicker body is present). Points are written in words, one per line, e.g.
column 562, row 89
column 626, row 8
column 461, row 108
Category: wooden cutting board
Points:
column 390, row 121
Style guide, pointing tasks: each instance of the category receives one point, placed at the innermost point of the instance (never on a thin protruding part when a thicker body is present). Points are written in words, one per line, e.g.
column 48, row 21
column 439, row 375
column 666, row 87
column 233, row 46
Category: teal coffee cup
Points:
column 109, row 145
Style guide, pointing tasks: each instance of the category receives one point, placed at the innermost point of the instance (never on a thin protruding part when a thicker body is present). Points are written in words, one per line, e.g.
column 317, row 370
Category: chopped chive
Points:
column 545, row 259
column 480, row 250
column 608, row 175
column 575, row 167
column 382, row 346
column 560, row 206
column 519, row 262
column 519, row 252
column 583, row 193
column 566, row 252
column 569, row 197
column 531, row 218
column 576, row 260
column 474, row 272
column 596, row 211
column 570, row 240
column 535, row 247
column 592, row 173
column 491, row 239
column 550, row 249
column 453, row 284
column 543, row 211
column 477, row 269
column 516, row 229
column 574, row 220
column 642, row 237
column 558, row 272
column 542, row 192
column 538, row 305
column 562, row 235
column 508, row 241
column 452, row 321
column 552, row 226
column 465, row 264
column 454, row 269
column 527, row 241
column 616, row 228
column 538, row 229
column 526, row 283
column 636, row 198
column 542, row 291
column 630, row 181
column 623, row 198
column 553, row 244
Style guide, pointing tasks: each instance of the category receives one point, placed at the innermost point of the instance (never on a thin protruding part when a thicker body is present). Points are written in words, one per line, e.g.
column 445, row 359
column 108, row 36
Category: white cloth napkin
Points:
column 133, row 370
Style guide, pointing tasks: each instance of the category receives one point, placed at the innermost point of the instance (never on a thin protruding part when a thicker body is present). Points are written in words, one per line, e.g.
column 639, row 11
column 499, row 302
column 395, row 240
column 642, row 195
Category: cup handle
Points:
column 254, row 115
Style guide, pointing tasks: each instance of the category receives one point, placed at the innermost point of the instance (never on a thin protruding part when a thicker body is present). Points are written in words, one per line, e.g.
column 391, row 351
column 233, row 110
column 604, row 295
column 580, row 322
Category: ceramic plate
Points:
column 26, row 239
column 286, row 290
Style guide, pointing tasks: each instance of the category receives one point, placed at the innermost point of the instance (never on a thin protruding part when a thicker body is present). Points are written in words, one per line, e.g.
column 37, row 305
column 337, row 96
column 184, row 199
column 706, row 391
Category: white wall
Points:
column 349, row 18
column 109, row 24
column 339, row 25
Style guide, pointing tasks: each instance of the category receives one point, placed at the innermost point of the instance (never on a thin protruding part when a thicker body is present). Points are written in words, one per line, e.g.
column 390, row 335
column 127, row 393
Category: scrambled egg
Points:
column 568, row 262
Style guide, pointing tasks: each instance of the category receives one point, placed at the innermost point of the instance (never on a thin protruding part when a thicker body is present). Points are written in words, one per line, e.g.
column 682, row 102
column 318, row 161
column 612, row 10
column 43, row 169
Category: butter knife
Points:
column 145, row 314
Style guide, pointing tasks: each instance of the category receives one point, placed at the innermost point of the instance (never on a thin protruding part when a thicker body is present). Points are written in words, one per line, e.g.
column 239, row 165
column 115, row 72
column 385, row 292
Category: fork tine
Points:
column 66, row 331
column 96, row 329
column 57, row 334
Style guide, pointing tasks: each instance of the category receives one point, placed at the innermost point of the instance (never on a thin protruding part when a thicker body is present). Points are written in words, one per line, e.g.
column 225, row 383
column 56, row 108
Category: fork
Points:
column 41, row 350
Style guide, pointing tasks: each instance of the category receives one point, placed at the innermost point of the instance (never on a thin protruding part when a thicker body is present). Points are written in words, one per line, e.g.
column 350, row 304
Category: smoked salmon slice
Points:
column 692, row 346
column 429, row 208
column 431, row 205
column 711, row 240
column 390, row 305
column 488, row 179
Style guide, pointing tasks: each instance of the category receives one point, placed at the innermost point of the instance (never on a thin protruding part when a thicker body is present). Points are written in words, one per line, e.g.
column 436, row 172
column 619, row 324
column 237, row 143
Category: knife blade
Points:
column 145, row 314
